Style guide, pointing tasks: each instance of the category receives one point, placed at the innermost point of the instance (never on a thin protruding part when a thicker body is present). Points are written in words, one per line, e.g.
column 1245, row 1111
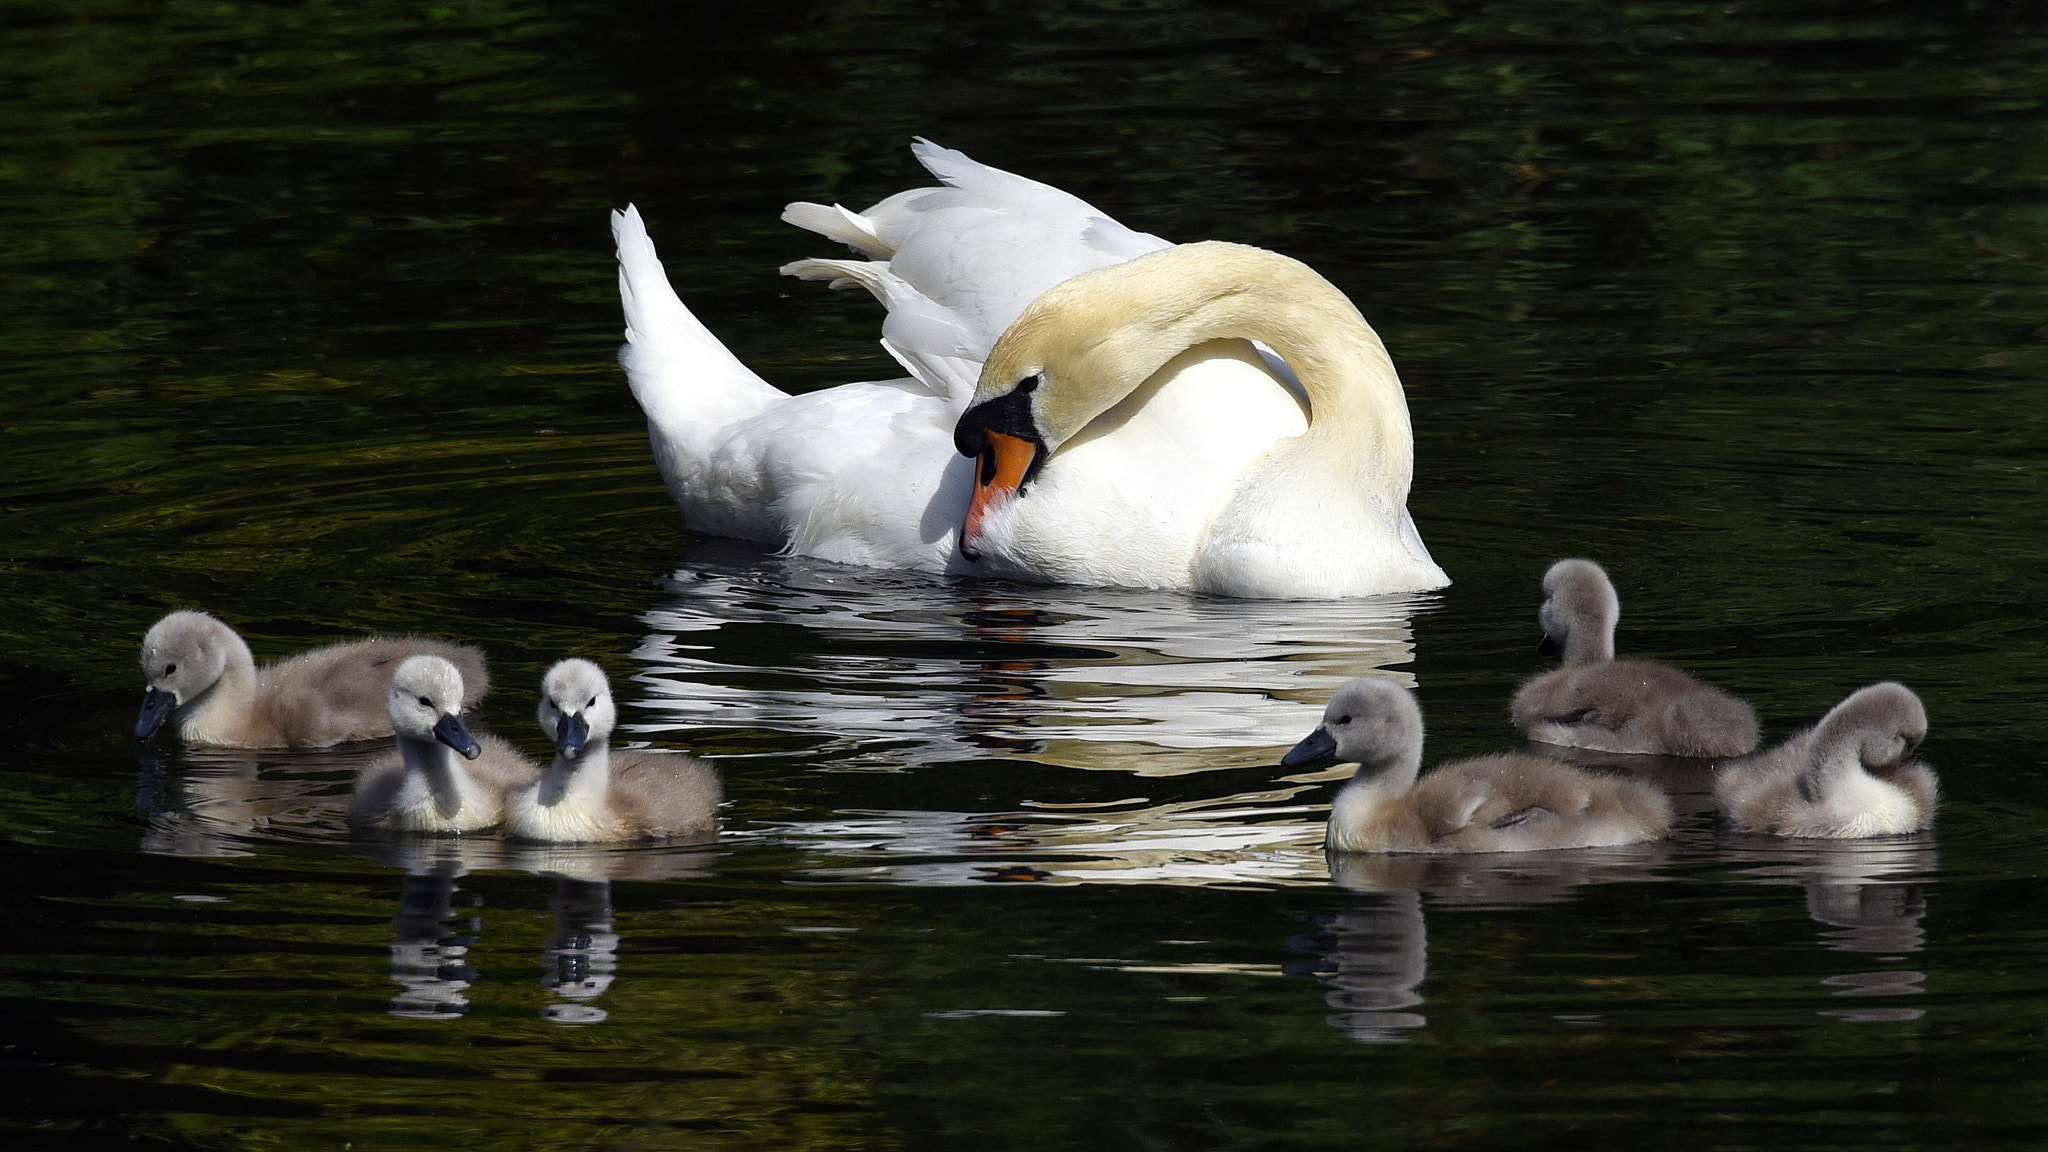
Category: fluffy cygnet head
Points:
column 1883, row 723
column 576, row 706
column 183, row 656
column 426, row 704
column 1579, row 611
column 1372, row 722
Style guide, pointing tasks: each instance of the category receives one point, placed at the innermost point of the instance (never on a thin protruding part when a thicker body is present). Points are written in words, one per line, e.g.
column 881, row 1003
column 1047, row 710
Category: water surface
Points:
column 309, row 317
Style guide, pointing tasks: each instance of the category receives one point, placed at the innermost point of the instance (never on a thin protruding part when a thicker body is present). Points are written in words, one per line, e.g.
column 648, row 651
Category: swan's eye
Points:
column 1343, row 720
column 427, row 702
column 592, row 704
column 170, row 669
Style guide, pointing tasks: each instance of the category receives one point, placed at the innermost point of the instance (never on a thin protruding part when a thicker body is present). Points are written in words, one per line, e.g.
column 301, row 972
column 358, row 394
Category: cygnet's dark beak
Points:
column 450, row 730
column 1549, row 646
column 157, row 706
column 1317, row 749
column 572, row 734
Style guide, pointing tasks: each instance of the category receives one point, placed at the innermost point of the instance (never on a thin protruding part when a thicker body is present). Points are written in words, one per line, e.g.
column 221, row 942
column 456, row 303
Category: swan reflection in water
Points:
column 890, row 669
column 1870, row 895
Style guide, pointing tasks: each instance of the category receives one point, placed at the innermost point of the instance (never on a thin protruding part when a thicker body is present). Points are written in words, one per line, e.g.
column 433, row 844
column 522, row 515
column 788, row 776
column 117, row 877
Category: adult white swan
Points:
column 1113, row 424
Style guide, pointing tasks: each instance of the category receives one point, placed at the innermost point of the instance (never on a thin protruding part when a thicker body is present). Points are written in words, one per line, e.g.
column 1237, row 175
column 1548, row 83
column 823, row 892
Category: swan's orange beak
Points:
column 998, row 472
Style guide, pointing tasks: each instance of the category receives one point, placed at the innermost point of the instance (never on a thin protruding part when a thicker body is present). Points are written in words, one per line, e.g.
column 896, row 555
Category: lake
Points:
column 310, row 320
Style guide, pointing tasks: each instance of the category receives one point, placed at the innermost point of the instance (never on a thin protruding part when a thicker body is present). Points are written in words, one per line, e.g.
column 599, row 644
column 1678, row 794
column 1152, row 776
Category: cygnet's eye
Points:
column 1343, row 720
column 427, row 702
column 170, row 669
column 592, row 704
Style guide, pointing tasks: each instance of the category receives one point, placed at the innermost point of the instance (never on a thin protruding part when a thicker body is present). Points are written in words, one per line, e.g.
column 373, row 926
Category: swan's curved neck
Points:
column 1098, row 336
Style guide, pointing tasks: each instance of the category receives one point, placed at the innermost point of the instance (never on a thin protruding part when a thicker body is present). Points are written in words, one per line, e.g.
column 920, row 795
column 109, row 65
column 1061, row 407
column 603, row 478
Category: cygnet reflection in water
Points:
column 581, row 959
column 1374, row 950
column 1870, row 896
column 580, row 962
column 431, row 938
column 1502, row 880
column 1373, row 956
column 227, row 801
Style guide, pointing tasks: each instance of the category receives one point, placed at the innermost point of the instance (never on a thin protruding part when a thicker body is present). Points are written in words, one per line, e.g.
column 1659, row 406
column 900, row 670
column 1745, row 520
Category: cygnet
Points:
column 424, row 786
column 203, row 679
column 1637, row 706
column 592, row 794
column 1851, row 775
column 1508, row 802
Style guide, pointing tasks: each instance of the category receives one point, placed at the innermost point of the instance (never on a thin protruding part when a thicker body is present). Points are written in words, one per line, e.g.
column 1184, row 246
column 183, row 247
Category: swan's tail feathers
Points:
column 681, row 375
column 924, row 336
column 835, row 223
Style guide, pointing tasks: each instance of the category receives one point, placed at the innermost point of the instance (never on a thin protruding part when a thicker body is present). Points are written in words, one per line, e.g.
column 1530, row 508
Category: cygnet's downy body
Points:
column 442, row 778
column 203, row 680
column 1507, row 802
column 1849, row 776
column 592, row 794
column 1633, row 706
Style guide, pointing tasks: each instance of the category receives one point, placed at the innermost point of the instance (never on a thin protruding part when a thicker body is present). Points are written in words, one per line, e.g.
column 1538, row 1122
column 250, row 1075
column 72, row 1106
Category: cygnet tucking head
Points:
column 576, row 706
column 1579, row 605
column 1372, row 722
column 183, row 657
column 426, row 704
column 1885, row 723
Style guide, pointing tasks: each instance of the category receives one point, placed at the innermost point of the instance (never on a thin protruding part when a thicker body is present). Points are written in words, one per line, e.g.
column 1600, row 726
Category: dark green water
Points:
column 307, row 316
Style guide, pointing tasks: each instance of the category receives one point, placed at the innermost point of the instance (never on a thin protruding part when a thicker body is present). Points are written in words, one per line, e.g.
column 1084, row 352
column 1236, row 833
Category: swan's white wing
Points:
column 1097, row 231
column 928, row 340
column 975, row 251
column 835, row 223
